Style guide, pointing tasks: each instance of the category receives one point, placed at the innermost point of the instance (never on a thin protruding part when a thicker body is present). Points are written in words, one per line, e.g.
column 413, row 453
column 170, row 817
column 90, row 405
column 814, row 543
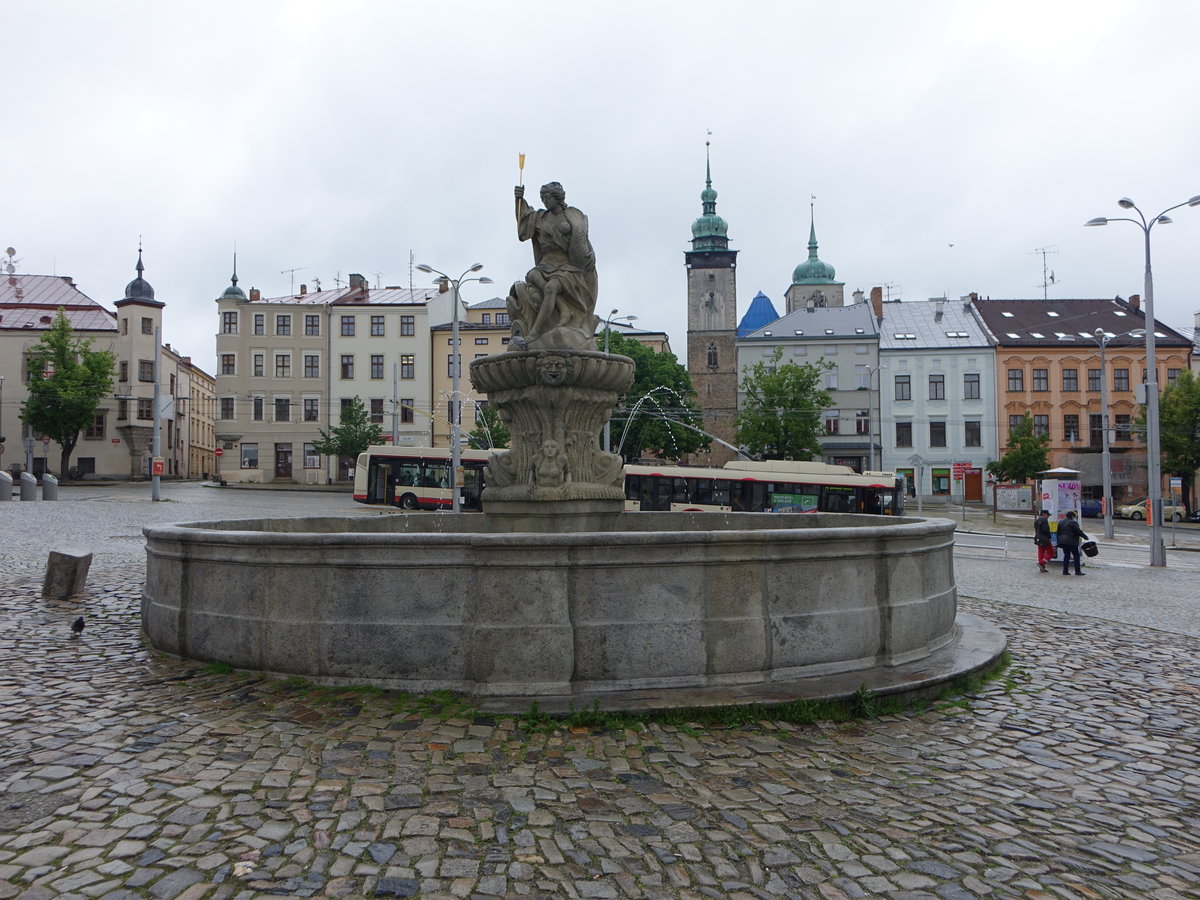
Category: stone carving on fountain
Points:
column 554, row 392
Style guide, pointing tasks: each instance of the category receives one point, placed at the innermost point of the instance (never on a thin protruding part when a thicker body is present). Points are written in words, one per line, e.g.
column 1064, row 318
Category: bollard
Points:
column 49, row 487
column 66, row 573
column 28, row 487
column 5, row 486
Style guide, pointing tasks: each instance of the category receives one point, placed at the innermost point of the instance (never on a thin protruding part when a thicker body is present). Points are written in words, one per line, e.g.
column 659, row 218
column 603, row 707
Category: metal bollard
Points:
column 5, row 486
column 49, row 487
column 28, row 487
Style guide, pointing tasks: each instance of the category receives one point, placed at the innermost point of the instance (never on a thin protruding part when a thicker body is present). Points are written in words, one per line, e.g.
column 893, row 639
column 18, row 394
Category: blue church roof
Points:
column 760, row 314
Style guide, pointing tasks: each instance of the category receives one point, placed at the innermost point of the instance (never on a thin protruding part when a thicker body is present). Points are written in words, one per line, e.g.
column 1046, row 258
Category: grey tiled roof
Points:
column 917, row 324
column 823, row 323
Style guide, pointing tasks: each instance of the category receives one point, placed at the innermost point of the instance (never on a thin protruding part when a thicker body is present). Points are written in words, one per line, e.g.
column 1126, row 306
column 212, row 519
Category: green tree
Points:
column 489, row 432
column 1179, row 431
column 780, row 416
column 666, row 406
column 1025, row 455
column 354, row 435
column 67, row 381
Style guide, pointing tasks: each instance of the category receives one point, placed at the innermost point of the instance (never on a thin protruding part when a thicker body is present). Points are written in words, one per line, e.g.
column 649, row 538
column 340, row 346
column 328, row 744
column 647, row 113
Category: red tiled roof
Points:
column 28, row 302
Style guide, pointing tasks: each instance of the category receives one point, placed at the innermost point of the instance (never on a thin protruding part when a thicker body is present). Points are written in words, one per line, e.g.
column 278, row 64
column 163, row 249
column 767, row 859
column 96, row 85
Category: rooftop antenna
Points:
column 292, row 274
column 337, row 279
column 316, row 282
column 411, row 258
column 1047, row 276
column 378, row 275
column 887, row 287
column 10, row 267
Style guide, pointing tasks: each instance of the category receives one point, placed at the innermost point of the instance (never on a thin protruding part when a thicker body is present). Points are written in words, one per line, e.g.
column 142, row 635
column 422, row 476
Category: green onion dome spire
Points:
column 812, row 270
column 710, row 231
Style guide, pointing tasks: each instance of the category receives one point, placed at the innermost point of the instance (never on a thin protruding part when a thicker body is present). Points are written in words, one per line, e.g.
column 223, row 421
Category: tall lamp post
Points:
column 612, row 317
column 1103, row 339
column 455, row 366
column 1158, row 553
column 871, row 373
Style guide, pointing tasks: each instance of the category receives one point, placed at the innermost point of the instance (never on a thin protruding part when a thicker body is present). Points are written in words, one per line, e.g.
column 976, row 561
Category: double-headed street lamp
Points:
column 1158, row 553
column 871, row 373
column 612, row 317
column 1103, row 339
column 455, row 366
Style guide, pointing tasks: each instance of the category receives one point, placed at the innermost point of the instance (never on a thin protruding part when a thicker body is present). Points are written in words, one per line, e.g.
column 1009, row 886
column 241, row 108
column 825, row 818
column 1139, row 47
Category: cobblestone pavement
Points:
column 126, row 775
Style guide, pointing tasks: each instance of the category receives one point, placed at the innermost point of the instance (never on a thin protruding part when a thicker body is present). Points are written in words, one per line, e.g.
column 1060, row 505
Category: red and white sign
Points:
column 960, row 470
column 219, row 451
column 116, row 440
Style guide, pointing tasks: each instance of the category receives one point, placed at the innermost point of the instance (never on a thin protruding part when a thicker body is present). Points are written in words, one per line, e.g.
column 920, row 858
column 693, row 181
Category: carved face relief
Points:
column 552, row 370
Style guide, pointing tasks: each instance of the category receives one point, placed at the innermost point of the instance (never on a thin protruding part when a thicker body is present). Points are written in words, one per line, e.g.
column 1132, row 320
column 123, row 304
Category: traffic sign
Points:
column 218, row 451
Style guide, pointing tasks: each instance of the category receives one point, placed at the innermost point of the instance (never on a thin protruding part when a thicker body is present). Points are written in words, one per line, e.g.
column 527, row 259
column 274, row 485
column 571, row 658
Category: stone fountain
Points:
column 554, row 592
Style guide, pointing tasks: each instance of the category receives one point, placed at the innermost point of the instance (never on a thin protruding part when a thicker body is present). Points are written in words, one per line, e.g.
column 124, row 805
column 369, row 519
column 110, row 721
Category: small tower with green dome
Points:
column 813, row 282
column 712, row 319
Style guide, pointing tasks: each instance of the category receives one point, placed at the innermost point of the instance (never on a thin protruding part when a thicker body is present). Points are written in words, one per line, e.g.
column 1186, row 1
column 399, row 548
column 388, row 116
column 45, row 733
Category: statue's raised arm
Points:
column 554, row 307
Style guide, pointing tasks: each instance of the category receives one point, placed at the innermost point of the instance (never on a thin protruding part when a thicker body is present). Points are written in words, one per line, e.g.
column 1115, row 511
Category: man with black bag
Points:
column 1069, row 537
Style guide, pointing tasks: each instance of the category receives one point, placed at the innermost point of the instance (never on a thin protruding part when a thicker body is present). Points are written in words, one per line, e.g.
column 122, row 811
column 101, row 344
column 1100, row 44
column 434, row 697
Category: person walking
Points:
column 1070, row 535
column 1043, row 539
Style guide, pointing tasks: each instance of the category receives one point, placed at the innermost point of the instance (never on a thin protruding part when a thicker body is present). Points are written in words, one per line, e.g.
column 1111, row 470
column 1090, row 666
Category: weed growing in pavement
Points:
column 219, row 668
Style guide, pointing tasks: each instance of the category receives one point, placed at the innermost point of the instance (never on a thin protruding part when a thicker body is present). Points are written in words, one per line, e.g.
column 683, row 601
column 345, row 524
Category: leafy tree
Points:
column 489, row 432
column 666, row 416
column 780, row 417
column 1025, row 456
column 354, row 435
column 1179, row 431
column 67, row 381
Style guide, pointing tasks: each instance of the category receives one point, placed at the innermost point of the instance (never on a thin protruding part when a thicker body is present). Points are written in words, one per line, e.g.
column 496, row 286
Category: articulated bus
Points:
column 419, row 478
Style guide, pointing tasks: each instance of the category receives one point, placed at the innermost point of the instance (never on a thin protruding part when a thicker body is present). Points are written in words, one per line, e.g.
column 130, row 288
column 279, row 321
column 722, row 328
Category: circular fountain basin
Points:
column 663, row 601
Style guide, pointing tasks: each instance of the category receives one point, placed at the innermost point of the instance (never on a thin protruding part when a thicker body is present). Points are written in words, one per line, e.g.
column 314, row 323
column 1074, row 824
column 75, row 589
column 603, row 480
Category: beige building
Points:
column 118, row 443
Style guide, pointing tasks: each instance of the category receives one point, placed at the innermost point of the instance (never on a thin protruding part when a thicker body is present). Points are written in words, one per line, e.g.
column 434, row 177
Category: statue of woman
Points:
column 554, row 307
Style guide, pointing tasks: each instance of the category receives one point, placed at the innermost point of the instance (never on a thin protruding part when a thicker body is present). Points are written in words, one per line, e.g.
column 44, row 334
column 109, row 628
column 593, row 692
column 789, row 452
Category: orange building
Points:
column 1048, row 364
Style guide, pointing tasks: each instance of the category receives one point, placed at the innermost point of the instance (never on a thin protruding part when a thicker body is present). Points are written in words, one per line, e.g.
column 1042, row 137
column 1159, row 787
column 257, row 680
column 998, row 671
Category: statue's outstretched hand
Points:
column 519, row 191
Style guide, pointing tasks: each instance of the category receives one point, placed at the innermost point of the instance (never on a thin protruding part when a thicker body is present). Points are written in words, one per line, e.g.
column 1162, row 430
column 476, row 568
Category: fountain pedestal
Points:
column 554, row 403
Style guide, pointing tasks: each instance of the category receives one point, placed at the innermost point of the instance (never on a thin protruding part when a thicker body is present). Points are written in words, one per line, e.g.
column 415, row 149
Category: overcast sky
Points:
column 945, row 143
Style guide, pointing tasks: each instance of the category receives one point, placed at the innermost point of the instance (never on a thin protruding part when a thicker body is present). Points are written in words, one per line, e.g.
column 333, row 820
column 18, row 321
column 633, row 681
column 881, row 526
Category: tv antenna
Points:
column 1047, row 275
column 292, row 274
column 378, row 275
column 10, row 267
column 887, row 289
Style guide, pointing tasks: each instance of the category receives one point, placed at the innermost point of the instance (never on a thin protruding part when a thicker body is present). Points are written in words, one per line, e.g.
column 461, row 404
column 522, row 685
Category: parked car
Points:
column 1195, row 516
column 1172, row 511
column 1090, row 509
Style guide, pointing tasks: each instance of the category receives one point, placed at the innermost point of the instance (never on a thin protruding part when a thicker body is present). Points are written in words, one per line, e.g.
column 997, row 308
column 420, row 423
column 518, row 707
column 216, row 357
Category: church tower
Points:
column 813, row 282
column 712, row 320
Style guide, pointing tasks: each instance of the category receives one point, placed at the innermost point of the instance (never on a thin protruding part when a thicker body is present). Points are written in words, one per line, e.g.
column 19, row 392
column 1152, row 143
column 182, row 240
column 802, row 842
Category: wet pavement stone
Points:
column 125, row 774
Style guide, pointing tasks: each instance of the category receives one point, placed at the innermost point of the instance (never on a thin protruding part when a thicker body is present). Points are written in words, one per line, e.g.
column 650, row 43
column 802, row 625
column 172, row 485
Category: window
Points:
column 312, row 365
column 1172, row 376
column 712, row 356
column 1124, row 428
column 124, row 376
column 1095, row 430
column 283, row 324
column 941, row 481
column 258, row 408
column 1094, row 379
column 1016, row 379
column 145, row 408
column 937, row 387
column 249, row 456
column 347, row 367
column 312, row 325
column 376, row 365
column 903, row 387
column 862, row 378
column 258, row 323
column 406, row 410
column 831, row 421
column 487, row 318
column 122, row 410
column 1014, row 422
column 147, row 325
column 347, row 402
column 1041, row 379
column 229, row 323
column 283, row 365
column 1070, row 379
column 96, row 428
column 283, row 409
column 971, row 386
column 1120, row 379
column 124, row 326
column 1041, row 425
column 408, row 366
column 481, row 341
column 831, row 380
column 312, row 459
column 973, row 434
column 376, row 410
column 408, row 325
column 228, row 361
column 347, row 326
column 312, row 409
column 376, row 326
column 904, row 434
column 450, row 360
column 501, row 318
column 1071, row 428
column 862, row 421
column 145, row 370
column 937, row 434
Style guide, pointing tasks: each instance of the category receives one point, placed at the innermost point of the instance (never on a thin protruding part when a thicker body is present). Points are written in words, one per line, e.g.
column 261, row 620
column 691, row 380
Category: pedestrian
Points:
column 1070, row 535
column 1041, row 537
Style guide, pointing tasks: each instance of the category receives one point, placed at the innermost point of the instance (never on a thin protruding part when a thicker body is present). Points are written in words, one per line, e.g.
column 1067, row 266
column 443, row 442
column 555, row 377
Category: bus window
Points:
column 679, row 490
column 701, row 491
column 656, row 493
column 410, row 473
column 633, row 487
column 436, row 475
column 720, row 492
column 838, row 499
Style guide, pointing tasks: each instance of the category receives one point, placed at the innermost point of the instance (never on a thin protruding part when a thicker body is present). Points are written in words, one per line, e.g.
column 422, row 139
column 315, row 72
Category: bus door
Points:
column 839, row 499
column 656, row 493
column 472, row 487
column 748, row 496
column 379, row 481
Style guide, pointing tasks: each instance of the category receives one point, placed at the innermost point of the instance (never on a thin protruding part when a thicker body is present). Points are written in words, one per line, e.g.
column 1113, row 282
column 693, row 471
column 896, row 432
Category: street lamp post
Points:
column 871, row 373
column 612, row 317
column 1158, row 553
column 455, row 366
column 1102, row 339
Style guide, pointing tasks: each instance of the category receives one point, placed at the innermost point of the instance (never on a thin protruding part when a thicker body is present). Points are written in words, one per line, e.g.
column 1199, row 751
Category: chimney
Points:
column 858, row 297
column 303, row 289
column 1135, row 300
column 255, row 295
column 939, row 308
column 877, row 303
column 357, row 281
column 443, row 285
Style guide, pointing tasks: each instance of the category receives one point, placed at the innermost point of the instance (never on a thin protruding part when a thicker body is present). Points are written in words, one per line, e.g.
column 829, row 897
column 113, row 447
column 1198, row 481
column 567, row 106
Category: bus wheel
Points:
column 408, row 501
